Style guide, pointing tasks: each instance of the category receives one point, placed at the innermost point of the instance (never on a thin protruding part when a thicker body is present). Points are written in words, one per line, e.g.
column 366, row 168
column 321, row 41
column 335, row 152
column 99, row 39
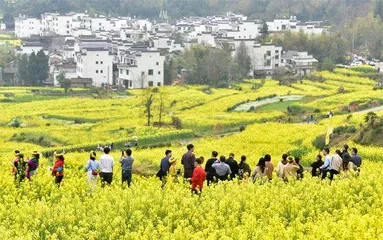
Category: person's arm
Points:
column 192, row 160
column 326, row 164
column 194, row 176
column 87, row 166
column 214, row 165
column 121, row 159
column 229, row 170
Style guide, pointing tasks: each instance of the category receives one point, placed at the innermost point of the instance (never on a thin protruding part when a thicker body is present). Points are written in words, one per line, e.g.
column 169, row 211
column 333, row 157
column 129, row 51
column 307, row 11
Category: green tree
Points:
column 42, row 67
column 148, row 99
column 378, row 9
column 63, row 81
column 24, row 69
column 32, row 70
column 242, row 58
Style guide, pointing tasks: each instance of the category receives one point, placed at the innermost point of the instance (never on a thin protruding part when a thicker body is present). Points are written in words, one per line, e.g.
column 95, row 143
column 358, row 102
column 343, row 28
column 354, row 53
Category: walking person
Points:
column 315, row 167
column 233, row 164
column 187, row 161
column 92, row 167
column 58, row 169
column 355, row 159
column 244, row 170
column 164, row 167
column 106, row 167
column 198, row 178
column 210, row 171
column 345, row 155
column 325, row 168
column 32, row 165
column 222, row 169
column 269, row 167
column 126, row 166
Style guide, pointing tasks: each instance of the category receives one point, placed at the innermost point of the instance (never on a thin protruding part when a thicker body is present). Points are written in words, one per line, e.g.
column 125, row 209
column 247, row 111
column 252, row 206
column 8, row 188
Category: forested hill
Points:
column 334, row 12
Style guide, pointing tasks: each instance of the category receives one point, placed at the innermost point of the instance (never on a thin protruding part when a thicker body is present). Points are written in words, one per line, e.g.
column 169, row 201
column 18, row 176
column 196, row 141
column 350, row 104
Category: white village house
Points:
column 26, row 27
column 141, row 68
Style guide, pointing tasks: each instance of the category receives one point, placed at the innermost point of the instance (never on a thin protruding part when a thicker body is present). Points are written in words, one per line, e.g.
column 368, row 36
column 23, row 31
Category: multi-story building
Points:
column 266, row 59
column 300, row 63
column 26, row 27
column 141, row 68
column 94, row 61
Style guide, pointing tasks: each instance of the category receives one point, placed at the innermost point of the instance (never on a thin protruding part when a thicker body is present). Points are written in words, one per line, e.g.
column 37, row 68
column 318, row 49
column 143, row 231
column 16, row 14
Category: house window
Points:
column 142, row 73
column 268, row 53
column 130, row 83
column 96, row 71
column 157, row 63
column 159, row 72
column 150, row 72
column 128, row 35
column 127, row 72
column 150, row 83
column 158, row 84
column 276, row 65
column 102, row 71
column 96, row 62
column 120, row 71
column 101, row 62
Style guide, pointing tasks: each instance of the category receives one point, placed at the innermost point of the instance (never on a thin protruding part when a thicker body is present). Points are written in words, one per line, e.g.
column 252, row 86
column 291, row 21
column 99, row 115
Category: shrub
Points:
column 15, row 123
column 319, row 142
column 176, row 122
column 242, row 128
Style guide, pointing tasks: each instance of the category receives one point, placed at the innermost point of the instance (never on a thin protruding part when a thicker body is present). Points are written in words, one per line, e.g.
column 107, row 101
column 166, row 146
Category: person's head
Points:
column 262, row 163
column 290, row 160
column 284, row 157
column 267, row 158
column 106, row 150
column 16, row 153
column 231, row 155
column 36, row 155
column 60, row 157
column 297, row 160
column 168, row 153
column 243, row 159
column 190, row 147
column 326, row 151
column 338, row 152
column 345, row 147
column 199, row 161
column 129, row 152
column 202, row 158
column 20, row 156
column 354, row 151
column 214, row 154
column 319, row 157
column 93, row 156
column 222, row 158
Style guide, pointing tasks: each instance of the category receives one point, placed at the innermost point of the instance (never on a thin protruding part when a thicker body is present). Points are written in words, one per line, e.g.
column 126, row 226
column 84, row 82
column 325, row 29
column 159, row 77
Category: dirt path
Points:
column 374, row 109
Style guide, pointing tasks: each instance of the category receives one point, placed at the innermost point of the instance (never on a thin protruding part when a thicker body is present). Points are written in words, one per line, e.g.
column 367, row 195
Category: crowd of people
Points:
column 216, row 168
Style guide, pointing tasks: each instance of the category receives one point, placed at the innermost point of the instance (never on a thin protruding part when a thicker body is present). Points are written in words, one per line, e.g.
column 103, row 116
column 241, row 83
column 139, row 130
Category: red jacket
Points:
column 58, row 168
column 199, row 176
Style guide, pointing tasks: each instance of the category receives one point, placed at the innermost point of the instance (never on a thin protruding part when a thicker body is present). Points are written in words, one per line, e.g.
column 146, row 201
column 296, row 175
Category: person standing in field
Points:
column 316, row 171
column 210, row 171
column 325, row 168
column 269, row 167
column 233, row 165
column 58, row 169
column 281, row 164
column 164, row 167
column 20, row 167
column 106, row 167
column 33, row 164
column 300, row 172
column 173, row 171
column 244, row 170
column 345, row 157
column 335, row 164
column 199, row 176
column 260, row 170
column 222, row 169
column 126, row 166
column 92, row 167
column 290, row 169
column 355, row 159
column 14, row 162
column 188, row 160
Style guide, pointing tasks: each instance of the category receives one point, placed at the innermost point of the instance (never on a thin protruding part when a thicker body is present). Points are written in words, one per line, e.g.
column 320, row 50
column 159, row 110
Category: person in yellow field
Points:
column 173, row 171
column 290, row 169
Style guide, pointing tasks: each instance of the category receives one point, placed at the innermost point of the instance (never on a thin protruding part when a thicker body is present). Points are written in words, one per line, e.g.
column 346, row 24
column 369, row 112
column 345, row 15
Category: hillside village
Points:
column 131, row 53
